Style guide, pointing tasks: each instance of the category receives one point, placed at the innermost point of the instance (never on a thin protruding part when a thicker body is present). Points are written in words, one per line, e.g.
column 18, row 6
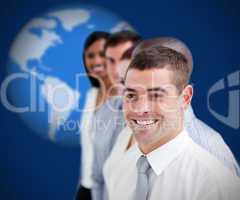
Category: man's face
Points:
column 113, row 57
column 153, row 106
column 123, row 64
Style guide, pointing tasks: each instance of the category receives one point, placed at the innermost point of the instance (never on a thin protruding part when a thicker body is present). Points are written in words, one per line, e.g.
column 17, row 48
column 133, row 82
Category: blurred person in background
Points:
column 117, row 44
column 95, row 65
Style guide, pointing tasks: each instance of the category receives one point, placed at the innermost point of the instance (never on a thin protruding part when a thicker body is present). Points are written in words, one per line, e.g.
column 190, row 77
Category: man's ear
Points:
column 187, row 95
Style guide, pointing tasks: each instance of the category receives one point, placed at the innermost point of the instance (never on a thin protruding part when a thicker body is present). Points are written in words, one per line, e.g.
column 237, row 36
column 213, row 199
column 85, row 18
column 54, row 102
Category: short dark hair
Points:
column 93, row 37
column 170, row 42
column 127, row 55
column 120, row 37
column 163, row 57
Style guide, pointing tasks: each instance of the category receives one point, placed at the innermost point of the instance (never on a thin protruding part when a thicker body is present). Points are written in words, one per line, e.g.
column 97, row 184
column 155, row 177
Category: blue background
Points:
column 34, row 168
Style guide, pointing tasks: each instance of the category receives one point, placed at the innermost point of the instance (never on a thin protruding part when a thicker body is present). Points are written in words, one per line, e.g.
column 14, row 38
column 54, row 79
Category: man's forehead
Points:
column 151, row 76
column 119, row 47
column 149, row 88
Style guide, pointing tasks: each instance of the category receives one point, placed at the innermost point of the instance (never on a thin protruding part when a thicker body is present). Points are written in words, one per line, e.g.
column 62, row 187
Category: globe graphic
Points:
column 47, row 83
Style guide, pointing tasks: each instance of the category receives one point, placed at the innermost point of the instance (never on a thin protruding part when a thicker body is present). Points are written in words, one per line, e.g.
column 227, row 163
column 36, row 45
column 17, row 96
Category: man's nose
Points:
column 143, row 105
column 118, row 68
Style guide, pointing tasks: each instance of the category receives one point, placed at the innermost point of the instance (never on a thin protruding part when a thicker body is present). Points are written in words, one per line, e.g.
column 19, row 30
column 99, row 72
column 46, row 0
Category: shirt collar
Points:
column 161, row 157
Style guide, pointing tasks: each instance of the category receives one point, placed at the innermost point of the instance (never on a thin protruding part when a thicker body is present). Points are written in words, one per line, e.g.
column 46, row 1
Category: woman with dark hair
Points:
column 94, row 63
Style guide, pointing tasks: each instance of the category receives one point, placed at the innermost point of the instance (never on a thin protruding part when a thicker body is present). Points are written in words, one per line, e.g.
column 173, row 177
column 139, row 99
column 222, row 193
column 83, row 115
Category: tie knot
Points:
column 143, row 164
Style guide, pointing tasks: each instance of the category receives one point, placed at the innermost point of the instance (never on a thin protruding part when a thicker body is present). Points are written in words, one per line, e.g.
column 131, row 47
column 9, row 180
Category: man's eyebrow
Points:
column 157, row 89
column 129, row 90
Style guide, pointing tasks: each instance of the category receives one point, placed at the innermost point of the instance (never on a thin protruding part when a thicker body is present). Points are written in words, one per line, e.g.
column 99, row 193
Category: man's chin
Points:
column 149, row 137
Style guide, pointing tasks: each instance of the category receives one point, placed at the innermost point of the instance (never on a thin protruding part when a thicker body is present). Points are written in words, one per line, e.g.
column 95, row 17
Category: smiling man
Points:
column 153, row 106
column 166, row 163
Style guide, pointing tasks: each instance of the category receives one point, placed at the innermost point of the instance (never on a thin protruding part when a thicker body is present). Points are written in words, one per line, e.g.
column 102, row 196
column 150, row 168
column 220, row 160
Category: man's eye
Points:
column 130, row 96
column 110, row 61
column 122, row 81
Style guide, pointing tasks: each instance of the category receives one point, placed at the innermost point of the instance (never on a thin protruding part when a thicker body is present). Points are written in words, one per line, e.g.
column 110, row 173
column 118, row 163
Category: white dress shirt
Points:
column 181, row 170
column 86, row 138
column 105, row 140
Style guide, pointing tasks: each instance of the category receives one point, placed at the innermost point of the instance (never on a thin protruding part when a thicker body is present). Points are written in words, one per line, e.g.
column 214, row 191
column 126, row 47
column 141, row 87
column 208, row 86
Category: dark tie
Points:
column 142, row 186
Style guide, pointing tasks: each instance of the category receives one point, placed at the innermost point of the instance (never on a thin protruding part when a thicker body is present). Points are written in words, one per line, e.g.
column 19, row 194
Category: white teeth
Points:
column 145, row 122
